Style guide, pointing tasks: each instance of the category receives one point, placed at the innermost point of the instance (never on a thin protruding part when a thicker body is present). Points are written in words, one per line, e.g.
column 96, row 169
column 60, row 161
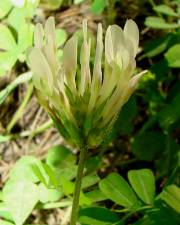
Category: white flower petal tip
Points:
column 84, row 93
column 38, row 36
column 136, row 78
column 132, row 33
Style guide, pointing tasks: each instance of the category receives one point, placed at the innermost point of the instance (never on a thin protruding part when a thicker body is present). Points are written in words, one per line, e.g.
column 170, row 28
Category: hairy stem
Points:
column 75, row 206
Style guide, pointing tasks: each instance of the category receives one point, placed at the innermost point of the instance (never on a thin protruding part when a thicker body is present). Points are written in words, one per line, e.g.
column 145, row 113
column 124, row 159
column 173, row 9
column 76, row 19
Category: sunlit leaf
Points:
column 173, row 56
column 20, row 197
column 4, row 212
column 118, row 190
column 23, row 169
column 4, row 138
column 171, row 195
column 90, row 180
column 16, row 18
column 60, row 156
column 69, row 172
column 7, row 60
column 48, row 194
column 98, row 6
column 68, row 186
column 5, row 7
column 157, row 45
column 164, row 9
column 53, row 179
column 96, row 195
column 143, row 182
column 160, row 23
column 25, row 36
column 3, row 222
column 61, row 37
column 7, row 41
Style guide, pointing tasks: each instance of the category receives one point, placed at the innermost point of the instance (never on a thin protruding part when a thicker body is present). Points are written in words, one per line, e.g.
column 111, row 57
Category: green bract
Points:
column 84, row 104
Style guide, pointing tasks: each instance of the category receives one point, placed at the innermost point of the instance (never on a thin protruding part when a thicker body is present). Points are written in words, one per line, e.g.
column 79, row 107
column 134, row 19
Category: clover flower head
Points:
column 85, row 99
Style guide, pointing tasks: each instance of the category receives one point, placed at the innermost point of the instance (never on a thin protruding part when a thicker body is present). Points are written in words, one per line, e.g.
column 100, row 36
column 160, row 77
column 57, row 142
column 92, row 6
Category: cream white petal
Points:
column 60, row 102
column 84, row 27
column 114, row 44
column 50, row 54
column 110, row 105
column 70, row 61
column 85, row 79
column 40, row 68
column 132, row 32
column 123, row 58
column 123, row 96
column 114, row 47
column 97, row 71
column 109, row 84
column 38, row 36
column 109, row 46
column 118, row 39
column 36, row 79
column 132, row 84
column 49, row 28
column 61, row 80
column 115, row 110
column 122, row 93
column 61, row 87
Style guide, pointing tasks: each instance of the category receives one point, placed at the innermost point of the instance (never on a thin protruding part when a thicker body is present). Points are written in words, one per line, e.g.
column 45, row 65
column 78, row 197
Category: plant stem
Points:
column 54, row 205
column 20, row 110
column 37, row 130
column 75, row 205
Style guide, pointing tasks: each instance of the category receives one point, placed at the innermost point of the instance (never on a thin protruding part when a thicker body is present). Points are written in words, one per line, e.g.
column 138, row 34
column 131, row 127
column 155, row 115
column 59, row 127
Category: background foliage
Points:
column 134, row 177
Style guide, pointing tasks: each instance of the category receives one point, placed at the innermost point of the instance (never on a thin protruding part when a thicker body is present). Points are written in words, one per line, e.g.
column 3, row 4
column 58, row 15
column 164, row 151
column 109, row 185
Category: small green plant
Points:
column 79, row 103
